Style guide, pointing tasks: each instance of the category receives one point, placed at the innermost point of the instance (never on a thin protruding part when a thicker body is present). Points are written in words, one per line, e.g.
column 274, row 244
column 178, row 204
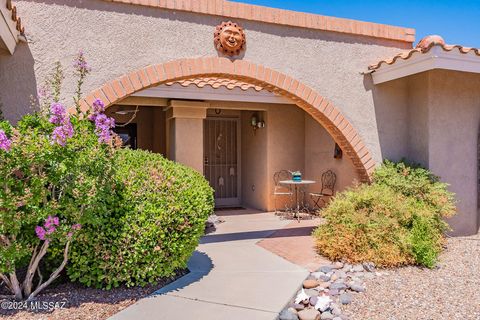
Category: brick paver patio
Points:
column 295, row 244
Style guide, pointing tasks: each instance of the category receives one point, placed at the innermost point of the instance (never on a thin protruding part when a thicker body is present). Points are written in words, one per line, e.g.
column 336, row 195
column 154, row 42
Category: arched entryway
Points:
column 321, row 109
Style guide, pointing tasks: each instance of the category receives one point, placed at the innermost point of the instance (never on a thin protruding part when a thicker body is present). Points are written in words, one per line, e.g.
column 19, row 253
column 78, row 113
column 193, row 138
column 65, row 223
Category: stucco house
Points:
column 239, row 91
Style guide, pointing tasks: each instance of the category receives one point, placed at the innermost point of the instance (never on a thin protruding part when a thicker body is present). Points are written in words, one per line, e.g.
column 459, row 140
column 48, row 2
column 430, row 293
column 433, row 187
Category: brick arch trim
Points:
column 321, row 109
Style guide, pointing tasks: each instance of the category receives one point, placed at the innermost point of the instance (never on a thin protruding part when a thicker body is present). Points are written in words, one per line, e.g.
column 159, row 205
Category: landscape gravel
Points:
column 449, row 291
column 82, row 303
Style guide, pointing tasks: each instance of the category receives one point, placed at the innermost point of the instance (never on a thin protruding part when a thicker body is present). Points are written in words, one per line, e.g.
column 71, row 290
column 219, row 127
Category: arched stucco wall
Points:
column 119, row 37
column 320, row 108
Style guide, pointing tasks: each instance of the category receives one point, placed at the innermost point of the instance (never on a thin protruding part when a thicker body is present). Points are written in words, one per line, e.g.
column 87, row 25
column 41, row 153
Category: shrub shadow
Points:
column 199, row 266
column 73, row 295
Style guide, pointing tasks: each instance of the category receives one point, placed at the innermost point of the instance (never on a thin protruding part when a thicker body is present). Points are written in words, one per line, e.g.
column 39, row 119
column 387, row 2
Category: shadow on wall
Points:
column 391, row 116
column 279, row 30
column 18, row 85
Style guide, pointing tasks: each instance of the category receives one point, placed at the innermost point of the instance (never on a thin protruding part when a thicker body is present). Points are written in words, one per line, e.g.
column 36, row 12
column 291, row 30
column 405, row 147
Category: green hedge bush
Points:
column 158, row 217
column 396, row 220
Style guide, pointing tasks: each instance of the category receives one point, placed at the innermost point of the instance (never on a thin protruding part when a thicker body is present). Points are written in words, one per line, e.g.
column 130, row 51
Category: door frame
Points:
column 230, row 202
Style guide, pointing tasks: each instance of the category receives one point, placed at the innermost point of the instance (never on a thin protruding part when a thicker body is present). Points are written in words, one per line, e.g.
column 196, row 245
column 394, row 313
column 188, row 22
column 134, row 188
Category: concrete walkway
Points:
column 231, row 277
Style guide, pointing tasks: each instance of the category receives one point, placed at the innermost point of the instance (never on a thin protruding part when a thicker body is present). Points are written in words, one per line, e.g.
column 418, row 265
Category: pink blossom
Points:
column 77, row 226
column 62, row 133
column 98, row 106
column 5, row 143
column 57, row 113
column 51, row 221
column 80, row 64
column 103, row 126
column 40, row 232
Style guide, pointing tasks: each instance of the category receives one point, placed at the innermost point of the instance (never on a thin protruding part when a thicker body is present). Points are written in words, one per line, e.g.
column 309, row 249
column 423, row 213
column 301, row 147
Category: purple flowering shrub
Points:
column 68, row 194
column 56, row 175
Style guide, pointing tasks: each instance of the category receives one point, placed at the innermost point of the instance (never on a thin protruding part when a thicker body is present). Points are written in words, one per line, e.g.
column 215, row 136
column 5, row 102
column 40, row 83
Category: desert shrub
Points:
column 411, row 180
column 364, row 224
column 396, row 220
column 158, row 217
column 426, row 241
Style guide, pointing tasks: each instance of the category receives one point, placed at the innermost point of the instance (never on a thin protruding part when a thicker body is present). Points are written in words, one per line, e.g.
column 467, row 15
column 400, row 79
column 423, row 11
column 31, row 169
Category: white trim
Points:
column 192, row 92
column 436, row 58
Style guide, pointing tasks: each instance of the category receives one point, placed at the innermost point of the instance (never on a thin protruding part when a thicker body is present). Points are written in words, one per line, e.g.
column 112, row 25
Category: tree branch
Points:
column 7, row 282
column 40, row 277
column 16, row 288
column 54, row 275
column 34, row 254
column 32, row 267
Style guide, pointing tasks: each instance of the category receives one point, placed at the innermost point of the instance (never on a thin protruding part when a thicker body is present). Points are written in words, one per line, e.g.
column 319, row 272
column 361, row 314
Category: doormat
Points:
column 229, row 208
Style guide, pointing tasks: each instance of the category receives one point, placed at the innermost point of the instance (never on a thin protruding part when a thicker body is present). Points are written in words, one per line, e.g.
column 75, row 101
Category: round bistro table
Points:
column 297, row 185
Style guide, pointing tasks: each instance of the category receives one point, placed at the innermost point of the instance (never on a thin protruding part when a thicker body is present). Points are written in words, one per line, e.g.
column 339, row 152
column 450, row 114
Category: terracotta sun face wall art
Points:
column 229, row 38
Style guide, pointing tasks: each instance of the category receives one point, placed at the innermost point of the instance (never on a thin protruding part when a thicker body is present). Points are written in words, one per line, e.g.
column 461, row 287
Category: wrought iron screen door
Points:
column 221, row 159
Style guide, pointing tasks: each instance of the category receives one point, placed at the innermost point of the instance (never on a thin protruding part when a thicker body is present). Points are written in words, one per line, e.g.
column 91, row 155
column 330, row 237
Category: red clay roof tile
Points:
column 215, row 83
column 424, row 46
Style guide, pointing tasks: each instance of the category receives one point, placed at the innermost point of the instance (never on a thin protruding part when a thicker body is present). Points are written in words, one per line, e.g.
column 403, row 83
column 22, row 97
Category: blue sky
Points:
column 458, row 22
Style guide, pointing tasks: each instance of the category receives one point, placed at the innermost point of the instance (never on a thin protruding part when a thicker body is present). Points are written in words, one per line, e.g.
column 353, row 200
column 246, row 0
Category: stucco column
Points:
column 185, row 132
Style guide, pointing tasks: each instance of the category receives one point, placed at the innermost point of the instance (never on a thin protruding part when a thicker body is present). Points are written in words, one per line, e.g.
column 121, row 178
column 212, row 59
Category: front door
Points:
column 221, row 159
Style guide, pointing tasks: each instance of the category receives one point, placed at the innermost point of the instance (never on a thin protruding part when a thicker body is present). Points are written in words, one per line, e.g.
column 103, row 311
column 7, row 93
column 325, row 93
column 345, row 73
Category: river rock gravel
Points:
column 449, row 291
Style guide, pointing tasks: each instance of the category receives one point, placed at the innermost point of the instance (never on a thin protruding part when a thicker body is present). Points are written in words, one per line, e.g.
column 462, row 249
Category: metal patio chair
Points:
column 281, row 190
column 328, row 190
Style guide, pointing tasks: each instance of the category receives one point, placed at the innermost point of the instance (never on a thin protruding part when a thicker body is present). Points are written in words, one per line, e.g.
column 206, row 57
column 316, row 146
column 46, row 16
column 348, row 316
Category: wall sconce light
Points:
column 256, row 123
column 337, row 153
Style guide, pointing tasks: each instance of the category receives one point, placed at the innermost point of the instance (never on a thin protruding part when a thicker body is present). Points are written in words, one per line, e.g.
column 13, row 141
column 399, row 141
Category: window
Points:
column 128, row 134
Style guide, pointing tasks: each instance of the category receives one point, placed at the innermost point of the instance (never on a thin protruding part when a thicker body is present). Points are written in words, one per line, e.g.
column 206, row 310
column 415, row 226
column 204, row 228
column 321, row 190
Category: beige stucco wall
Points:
column 418, row 92
column 437, row 115
column 391, row 117
column 291, row 140
column 319, row 148
column 188, row 142
column 286, row 144
column 118, row 38
column 454, row 119
column 254, row 160
column 433, row 119
column 18, row 82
